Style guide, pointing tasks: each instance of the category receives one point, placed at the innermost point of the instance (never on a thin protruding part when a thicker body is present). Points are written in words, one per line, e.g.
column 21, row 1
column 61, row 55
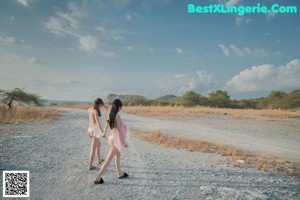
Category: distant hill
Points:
column 295, row 93
column 293, row 98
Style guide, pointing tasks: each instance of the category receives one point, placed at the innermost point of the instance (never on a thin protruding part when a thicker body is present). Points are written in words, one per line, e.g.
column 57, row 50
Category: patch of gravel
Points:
column 56, row 155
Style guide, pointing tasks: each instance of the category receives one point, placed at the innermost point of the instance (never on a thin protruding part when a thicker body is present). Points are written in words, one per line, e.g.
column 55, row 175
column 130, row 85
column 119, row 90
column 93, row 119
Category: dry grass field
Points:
column 197, row 111
column 202, row 111
column 27, row 114
column 237, row 157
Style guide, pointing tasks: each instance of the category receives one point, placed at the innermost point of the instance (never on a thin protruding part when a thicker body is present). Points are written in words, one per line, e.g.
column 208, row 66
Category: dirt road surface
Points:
column 56, row 154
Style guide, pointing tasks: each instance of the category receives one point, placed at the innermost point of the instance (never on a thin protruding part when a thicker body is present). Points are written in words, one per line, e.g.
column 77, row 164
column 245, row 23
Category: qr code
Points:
column 15, row 183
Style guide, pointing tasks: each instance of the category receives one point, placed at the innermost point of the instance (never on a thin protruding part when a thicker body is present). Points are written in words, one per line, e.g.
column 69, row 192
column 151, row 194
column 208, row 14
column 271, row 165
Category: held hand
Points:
column 103, row 135
column 125, row 145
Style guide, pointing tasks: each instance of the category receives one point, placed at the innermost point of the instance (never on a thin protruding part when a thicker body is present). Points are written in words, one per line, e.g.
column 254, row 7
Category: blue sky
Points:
column 80, row 50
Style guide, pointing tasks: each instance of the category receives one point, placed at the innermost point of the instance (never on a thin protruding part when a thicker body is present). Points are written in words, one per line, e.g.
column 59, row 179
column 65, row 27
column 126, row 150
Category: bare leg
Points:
column 98, row 145
column 92, row 154
column 117, row 163
column 110, row 156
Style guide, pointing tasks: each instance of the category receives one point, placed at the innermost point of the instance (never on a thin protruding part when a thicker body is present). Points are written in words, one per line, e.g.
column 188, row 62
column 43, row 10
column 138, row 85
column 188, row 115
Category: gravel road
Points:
column 56, row 154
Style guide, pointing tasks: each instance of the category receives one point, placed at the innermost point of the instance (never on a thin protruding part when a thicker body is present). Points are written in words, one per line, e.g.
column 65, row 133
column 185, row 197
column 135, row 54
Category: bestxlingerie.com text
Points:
column 240, row 9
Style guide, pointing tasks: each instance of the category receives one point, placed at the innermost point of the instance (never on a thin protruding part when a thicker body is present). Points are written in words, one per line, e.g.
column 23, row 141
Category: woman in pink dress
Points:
column 116, row 140
column 95, row 131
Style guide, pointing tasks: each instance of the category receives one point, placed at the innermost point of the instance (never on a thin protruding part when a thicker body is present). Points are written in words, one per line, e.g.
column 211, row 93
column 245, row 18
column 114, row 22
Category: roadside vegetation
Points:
column 20, row 106
column 277, row 104
column 216, row 99
column 200, row 111
column 237, row 157
column 27, row 114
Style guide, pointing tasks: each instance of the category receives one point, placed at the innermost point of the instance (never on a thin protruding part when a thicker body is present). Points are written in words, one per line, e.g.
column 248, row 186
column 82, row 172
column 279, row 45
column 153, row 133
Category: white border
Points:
column 28, row 188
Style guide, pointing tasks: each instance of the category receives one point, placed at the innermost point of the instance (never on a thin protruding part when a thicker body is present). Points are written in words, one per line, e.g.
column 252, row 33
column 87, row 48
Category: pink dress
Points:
column 114, row 134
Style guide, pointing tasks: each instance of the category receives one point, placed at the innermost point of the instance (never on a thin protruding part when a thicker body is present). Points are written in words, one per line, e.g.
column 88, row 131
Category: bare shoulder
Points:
column 91, row 110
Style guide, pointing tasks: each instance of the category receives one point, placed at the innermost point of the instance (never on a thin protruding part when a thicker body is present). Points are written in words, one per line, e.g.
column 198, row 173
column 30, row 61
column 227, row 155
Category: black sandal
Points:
column 123, row 176
column 101, row 162
column 99, row 182
column 93, row 167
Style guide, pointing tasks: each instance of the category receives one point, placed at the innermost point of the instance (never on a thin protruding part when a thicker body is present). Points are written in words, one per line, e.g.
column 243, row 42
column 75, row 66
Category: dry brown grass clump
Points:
column 270, row 164
column 27, row 114
column 238, row 157
column 190, row 144
column 202, row 111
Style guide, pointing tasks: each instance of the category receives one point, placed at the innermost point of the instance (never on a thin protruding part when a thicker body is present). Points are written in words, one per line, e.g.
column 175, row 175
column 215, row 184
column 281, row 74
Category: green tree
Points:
column 276, row 99
column 277, row 94
column 128, row 99
column 191, row 98
column 19, row 95
column 219, row 98
column 111, row 97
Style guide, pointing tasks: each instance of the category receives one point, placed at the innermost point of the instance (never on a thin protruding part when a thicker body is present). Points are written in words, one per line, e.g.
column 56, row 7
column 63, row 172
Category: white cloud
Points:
column 32, row 60
column 128, row 17
column 23, row 2
column 266, row 77
column 288, row 75
column 241, row 52
column 200, row 81
column 224, row 49
column 15, row 59
column 131, row 16
column 204, row 77
column 69, row 19
column 73, row 23
column 66, row 23
column 75, row 11
column 60, row 26
column 101, row 29
column 232, row 2
column 179, row 50
column 243, row 20
column 88, row 43
column 108, row 54
column 129, row 48
column 238, row 51
column 270, row 16
column 69, row 24
column 111, row 34
column 178, row 76
column 10, row 41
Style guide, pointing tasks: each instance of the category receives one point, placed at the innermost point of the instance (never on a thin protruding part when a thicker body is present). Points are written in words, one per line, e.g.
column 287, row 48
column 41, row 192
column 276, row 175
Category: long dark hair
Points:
column 98, row 102
column 116, row 106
